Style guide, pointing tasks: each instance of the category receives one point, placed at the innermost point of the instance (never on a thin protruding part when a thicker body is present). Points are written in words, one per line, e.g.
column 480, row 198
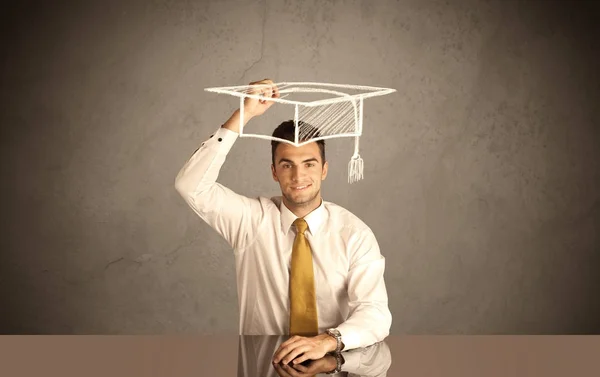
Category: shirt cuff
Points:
column 222, row 139
column 351, row 361
column 350, row 337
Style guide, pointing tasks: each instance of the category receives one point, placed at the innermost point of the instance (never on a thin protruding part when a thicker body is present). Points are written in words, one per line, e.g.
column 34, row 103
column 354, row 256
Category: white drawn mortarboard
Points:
column 338, row 114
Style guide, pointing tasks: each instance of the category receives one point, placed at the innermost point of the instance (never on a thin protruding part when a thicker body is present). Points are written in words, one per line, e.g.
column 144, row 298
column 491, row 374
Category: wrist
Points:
column 337, row 338
column 335, row 365
column 247, row 115
column 332, row 363
column 233, row 123
column 330, row 342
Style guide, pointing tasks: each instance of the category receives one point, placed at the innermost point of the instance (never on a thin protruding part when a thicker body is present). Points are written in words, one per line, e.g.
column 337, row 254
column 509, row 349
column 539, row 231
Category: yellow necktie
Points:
column 303, row 298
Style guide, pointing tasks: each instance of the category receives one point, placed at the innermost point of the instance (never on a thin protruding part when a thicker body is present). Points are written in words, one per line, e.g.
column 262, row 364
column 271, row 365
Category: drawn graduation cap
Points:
column 337, row 112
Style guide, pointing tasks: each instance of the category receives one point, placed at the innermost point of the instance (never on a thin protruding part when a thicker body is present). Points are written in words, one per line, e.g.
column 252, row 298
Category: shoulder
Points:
column 340, row 219
column 257, row 204
column 357, row 237
column 270, row 205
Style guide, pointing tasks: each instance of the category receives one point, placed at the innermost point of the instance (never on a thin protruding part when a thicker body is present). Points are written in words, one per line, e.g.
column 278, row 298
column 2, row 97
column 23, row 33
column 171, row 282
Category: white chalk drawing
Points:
column 340, row 114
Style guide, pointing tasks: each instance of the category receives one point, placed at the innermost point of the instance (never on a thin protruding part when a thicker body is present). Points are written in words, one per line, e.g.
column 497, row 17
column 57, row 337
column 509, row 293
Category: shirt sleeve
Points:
column 374, row 360
column 369, row 318
column 235, row 217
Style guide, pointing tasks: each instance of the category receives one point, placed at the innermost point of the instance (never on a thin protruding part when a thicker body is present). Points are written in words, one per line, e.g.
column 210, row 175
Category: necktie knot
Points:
column 301, row 225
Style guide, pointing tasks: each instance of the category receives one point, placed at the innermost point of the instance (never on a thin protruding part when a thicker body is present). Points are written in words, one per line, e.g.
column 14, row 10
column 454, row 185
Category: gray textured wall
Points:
column 481, row 170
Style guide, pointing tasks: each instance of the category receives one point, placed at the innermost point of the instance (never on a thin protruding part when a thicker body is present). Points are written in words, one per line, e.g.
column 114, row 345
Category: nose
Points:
column 297, row 173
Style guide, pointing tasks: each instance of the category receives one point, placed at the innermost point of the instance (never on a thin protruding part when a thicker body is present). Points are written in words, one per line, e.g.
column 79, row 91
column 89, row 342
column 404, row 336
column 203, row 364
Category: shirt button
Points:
column 212, row 135
column 220, row 139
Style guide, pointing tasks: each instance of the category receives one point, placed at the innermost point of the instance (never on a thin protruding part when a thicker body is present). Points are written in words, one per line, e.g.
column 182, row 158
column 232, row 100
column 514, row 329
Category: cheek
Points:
column 282, row 175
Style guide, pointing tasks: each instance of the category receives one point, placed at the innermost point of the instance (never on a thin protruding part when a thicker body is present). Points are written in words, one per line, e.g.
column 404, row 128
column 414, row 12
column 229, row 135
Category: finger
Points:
column 268, row 92
column 286, row 347
column 261, row 93
column 280, row 371
column 295, row 353
column 260, row 84
column 265, row 94
column 291, row 371
column 283, row 347
column 283, row 355
column 310, row 353
column 291, row 351
column 276, row 92
column 256, row 87
column 306, row 355
column 280, row 354
column 301, row 368
column 301, row 358
column 265, row 86
column 260, row 81
column 253, row 89
column 291, row 340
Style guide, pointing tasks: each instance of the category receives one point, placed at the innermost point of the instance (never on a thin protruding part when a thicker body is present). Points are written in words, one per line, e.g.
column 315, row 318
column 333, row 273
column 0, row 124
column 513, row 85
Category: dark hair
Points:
column 287, row 131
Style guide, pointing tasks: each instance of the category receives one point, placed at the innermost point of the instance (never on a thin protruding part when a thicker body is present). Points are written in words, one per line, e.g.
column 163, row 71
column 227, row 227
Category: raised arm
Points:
column 233, row 216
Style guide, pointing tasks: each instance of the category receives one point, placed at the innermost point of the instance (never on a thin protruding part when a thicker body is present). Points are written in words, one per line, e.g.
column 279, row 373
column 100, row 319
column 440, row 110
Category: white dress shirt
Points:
column 348, row 266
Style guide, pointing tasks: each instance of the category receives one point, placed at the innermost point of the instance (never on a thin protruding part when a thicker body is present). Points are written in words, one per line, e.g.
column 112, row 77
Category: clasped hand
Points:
column 298, row 349
column 322, row 365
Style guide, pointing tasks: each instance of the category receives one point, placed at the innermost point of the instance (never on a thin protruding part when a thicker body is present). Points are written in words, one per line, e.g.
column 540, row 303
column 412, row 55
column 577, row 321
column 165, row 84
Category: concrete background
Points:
column 481, row 171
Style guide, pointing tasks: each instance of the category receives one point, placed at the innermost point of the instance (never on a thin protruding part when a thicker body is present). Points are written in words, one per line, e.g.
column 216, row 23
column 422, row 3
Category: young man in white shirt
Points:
column 351, row 296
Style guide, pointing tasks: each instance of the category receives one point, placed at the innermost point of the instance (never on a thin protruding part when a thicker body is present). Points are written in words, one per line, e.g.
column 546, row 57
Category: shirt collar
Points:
column 313, row 219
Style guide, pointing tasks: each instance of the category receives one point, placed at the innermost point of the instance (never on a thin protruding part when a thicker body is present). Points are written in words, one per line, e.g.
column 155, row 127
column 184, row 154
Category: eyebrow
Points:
column 313, row 159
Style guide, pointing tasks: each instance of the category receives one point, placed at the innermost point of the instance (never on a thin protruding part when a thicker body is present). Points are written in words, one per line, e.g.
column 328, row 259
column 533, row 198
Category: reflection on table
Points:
column 255, row 354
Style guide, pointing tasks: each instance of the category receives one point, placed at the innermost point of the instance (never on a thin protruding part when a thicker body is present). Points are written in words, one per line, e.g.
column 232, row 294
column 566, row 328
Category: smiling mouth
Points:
column 301, row 188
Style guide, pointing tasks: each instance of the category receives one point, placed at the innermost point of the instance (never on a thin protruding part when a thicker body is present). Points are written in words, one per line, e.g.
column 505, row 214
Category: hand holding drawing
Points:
column 255, row 107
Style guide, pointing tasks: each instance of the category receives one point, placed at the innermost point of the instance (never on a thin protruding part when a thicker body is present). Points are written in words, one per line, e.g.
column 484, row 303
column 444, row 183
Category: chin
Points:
column 302, row 199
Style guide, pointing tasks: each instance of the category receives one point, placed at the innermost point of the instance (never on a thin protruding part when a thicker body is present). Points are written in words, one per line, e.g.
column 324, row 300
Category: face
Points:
column 299, row 172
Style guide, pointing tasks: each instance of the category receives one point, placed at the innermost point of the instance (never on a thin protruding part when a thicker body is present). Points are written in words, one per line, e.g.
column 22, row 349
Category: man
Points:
column 340, row 300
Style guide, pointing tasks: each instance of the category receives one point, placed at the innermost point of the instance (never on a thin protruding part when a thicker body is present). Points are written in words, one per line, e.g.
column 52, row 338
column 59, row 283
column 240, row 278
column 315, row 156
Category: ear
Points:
column 274, row 173
column 325, row 168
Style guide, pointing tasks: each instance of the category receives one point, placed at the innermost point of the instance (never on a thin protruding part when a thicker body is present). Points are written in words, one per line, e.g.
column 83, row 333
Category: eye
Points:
column 310, row 165
column 286, row 166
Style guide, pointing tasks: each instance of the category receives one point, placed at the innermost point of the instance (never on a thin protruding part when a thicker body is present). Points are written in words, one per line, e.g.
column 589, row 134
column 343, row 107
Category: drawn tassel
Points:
column 355, row 166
